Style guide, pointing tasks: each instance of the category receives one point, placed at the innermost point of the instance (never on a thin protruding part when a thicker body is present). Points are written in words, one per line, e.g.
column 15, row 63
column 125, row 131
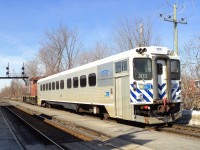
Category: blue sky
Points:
column 23, row 23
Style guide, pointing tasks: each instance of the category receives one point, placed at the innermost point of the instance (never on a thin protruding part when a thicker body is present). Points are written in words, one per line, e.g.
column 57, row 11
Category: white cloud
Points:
column 21, row 45
column 15, row 65
column 14, row 50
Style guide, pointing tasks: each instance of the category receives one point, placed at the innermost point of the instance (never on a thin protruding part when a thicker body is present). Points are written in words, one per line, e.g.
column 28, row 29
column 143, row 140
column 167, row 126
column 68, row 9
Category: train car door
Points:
column 162, row 77
column 122, row 98
column 118, row 98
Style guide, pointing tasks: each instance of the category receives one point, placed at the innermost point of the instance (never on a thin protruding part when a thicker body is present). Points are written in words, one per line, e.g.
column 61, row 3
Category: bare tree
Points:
column 33, row 68
column 59, row 50
column 15, row 90
column 5, row 92
column 191, row 57
column 99, row 51
column 133, row 33
column 48, row 58
column 191, row 72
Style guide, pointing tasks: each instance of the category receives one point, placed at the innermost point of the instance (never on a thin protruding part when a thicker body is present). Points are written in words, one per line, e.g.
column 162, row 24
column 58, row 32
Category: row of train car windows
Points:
column 70, row 81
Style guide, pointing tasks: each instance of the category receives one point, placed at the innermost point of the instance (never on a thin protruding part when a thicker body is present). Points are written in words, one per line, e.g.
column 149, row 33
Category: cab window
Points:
column 142, row 68
column 175, row 69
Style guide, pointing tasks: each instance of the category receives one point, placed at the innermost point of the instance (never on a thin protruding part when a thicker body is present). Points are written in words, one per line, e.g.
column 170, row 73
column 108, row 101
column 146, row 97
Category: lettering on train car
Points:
column 105, row 75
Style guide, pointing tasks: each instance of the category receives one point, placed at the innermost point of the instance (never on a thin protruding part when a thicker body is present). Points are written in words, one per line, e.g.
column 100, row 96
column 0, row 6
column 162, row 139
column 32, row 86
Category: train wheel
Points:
column 169, row 125
column 47, row 105
column 105, row 116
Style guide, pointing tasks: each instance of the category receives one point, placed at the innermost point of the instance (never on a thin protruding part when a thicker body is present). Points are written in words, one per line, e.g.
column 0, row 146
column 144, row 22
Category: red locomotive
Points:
column 32, row 90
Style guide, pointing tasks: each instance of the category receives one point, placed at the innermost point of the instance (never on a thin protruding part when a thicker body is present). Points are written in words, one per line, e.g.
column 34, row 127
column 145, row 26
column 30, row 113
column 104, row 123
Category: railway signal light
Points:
column 7, row 70
column 23, row 70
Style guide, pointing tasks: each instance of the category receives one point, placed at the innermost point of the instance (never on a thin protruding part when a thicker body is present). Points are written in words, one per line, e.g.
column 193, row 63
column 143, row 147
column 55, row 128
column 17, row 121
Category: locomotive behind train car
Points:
column 31, row 97
column 142, row 85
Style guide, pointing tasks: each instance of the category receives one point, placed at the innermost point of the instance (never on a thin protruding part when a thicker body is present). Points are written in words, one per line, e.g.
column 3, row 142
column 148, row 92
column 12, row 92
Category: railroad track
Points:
column 82, row 133
column 182, row 129
column 185, row 130
column 175, row 129
column 50, row 133
column 30, row 130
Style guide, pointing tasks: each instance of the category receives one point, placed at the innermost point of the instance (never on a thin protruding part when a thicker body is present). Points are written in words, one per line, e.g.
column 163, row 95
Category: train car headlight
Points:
column 140, row 96
column 141, row 50
column 141, row 86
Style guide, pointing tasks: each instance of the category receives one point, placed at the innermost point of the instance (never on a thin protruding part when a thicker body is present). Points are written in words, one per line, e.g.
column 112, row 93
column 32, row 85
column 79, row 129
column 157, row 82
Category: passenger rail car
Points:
column 142, row 85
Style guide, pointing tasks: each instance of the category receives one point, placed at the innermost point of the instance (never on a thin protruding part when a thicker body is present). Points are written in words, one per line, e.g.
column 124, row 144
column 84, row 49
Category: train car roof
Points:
column 123, row 55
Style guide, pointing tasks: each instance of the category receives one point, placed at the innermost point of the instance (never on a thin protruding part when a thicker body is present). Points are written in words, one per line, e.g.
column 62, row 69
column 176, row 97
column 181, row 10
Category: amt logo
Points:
column 105, row 73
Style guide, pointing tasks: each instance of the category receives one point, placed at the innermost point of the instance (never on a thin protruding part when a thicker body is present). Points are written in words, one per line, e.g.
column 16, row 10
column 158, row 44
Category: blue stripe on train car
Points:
column 134, row 96
column 148, row 92
column 177, row 90
column 162, row 86
column 143, row 95
column 161, row 96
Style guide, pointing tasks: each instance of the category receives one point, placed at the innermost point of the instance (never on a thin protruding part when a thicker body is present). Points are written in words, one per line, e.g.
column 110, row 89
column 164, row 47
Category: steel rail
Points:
column 50, row 140
column 21, row 146
column 66, row 128
column 179, row 129
column 86, row 135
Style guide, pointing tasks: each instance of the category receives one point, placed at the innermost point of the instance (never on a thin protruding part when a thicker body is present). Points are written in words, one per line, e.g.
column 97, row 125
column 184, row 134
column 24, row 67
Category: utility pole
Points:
column 141, row 43
column 175, row 21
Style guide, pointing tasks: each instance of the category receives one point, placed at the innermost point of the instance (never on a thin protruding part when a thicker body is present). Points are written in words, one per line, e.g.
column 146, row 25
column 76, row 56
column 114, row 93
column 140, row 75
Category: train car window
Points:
column 61, row 84
column 124, row 66
column 57, row 85
column 159, row 69
column 142, row 69
column 43, row 87
column 175, row 69
column 92, row 79
column 83, row 81
column 49, row 86
column 75, row 82
column 117, row 67
column 121, row 66
column 69, row 83
column 53, row 85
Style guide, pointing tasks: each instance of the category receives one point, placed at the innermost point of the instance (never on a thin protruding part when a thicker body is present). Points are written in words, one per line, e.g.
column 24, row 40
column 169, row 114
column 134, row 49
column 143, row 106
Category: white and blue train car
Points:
column 142, row 84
